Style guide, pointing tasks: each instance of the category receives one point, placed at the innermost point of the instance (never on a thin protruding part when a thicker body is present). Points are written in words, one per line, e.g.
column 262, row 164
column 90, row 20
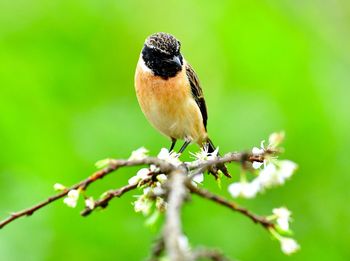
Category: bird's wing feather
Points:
column 197, row 92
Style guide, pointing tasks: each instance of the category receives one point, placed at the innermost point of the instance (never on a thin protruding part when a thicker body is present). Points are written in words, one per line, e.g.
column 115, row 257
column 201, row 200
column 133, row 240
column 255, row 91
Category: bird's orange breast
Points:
column 168, row 104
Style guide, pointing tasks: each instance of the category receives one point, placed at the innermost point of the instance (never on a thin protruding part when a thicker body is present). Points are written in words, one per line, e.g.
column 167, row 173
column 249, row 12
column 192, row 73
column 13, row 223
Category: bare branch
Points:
column 113, row 165
column 211, row 254
column 240, row 157
column 83, row 184
column 103, row 203
column 231, row 205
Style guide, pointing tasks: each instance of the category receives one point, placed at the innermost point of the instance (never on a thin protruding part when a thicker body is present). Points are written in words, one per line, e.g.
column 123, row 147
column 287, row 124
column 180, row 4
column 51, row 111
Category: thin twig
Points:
column 83, row 184
column 240, row 157
column 231, row 205
column 211, row 254
column 113, row 165
column 103, row 203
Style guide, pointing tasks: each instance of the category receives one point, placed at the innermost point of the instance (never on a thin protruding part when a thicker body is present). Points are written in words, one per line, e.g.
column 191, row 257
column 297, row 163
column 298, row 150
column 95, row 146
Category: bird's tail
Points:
column 221, row 166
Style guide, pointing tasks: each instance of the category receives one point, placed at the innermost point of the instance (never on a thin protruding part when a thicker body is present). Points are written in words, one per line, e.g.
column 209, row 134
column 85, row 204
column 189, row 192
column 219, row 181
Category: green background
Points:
column 67, row 100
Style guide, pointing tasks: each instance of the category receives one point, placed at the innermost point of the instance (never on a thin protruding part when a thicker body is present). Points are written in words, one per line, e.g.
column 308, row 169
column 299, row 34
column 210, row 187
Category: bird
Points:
column 170, row 95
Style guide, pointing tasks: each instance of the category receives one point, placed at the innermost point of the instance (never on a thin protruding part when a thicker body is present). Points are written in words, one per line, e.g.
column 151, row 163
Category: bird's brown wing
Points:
column 197, row 93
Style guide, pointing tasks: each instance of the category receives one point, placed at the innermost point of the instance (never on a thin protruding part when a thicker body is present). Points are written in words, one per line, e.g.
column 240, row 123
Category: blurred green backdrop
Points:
column 67, row 100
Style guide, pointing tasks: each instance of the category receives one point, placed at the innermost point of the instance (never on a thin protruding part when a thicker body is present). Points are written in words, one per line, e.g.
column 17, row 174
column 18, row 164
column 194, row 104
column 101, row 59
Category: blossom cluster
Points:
column 73, row 196
column 271, row 172
column 152, row 200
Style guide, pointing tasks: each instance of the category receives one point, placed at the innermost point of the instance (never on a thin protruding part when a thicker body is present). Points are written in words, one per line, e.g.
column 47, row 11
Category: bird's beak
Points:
column 177, row 60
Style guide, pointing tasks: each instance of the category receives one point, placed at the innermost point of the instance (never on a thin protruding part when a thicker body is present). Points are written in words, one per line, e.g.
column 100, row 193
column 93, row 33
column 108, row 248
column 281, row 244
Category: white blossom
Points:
column 201, row 155
column 140, row 175
column 161, row 204
column 133, row 180
column 257, row 164
column 90, row 203
column 143, row 204
column 198, row 178
column 58, row 187
column 72, row 198
column 162, row 178
column 170, row 157
column 268, row 176
column 153, row 168
column 146, row 190
column 276, row 139
column 204, row 155
column 287, row 168
column 139, row 154
column 289, row 245
column 276, row 173
column 158, row 190
column 183, row 243
column 244, row 189
column 259, row 151
column 283, row 217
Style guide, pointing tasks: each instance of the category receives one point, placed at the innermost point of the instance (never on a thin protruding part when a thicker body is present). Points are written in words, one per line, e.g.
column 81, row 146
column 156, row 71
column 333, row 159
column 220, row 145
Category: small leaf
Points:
column 218, row 180
column 104, row 163
column 283, row 232
column 152, row 219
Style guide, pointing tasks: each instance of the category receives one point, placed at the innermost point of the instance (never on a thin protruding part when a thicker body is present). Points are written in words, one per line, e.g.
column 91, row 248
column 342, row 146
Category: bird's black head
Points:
column 161, row 54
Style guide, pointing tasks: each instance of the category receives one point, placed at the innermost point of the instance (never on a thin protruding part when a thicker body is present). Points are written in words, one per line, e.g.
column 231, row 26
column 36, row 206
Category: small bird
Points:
column 170, row 95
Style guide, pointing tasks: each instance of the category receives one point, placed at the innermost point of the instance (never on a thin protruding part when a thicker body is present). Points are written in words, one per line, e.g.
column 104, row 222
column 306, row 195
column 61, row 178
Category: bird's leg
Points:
column 173, row 142
column 184, row 146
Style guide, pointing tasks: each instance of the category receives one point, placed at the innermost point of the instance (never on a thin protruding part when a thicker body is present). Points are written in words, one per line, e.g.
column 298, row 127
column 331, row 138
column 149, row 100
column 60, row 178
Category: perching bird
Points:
column 169, row 93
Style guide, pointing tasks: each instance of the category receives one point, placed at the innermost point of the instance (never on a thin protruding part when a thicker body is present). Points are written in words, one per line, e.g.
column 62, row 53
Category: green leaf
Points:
column 218, row 180
column 104, row 163
column 152, row 219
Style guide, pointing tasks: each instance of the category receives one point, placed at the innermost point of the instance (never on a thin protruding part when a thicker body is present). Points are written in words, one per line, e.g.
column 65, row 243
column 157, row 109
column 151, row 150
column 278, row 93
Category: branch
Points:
column 157, row 249
column 173, row 229
column 211, row 254
column 113, row 165
column 231, row 205
column 103, row 203
column 165, row 167
column 240, row 157
column 177, row 188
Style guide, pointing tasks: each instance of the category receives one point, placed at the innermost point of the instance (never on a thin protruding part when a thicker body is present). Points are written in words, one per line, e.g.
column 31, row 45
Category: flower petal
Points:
column 235, row 189
column 198, row 178
column 257, row 151
column 257, row 165
column 287, row 168
column 90, row 203
column 139, row 154
column 289, row 245
column 58, row 187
